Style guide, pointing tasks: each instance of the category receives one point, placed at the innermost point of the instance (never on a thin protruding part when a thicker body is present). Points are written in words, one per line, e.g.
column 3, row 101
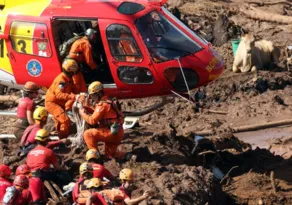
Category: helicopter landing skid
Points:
column 130, row 122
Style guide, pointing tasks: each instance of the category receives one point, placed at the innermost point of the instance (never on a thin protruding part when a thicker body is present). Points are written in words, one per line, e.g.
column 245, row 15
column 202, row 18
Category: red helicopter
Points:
column 166, row 57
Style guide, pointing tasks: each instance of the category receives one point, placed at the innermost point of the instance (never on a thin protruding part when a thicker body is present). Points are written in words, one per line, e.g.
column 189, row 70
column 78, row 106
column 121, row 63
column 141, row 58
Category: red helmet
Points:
column 5, row 170
column 21, row 181
column 22, row 170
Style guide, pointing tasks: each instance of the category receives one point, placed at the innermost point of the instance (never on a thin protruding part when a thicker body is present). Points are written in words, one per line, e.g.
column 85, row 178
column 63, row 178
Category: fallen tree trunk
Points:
column 265, row 16
column 247, row 128
column 269, row 3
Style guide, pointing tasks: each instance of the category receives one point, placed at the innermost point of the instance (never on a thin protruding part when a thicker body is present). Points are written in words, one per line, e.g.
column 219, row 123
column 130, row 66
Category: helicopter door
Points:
column 30, row 49
column 129, row 63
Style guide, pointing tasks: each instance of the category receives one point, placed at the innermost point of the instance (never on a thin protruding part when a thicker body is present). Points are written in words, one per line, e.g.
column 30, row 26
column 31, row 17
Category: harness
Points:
column 114, row 104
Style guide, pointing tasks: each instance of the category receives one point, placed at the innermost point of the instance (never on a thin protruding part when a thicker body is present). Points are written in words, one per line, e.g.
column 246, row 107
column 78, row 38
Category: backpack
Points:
column 115, row 105
column 65, row 47
column 113, row 196
column 10, row 195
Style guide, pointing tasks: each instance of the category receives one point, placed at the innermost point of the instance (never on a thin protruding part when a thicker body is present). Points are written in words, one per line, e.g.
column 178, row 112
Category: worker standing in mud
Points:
column 99, row 171
column 126, row 177
column 5, row 173
column 25, row 108
column 60, row 96
column 36, row 186
column 109, row 119
column 81, row 51
column 41, row 158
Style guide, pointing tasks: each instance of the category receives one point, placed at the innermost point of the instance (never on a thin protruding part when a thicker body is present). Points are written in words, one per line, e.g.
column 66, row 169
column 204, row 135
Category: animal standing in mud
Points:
column 255, row 55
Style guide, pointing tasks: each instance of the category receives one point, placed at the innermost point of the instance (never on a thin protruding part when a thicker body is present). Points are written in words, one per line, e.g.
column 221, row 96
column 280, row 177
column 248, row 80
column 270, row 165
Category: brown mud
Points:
column 165, row 164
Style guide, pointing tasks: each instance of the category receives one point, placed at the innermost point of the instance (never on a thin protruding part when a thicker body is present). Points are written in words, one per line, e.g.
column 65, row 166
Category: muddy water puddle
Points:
column 278, row 139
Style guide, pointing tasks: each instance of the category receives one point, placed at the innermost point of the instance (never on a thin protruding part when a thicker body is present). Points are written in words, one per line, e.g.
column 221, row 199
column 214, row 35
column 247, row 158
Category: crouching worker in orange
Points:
column 36, row 186
column 60, row 95
column 108, row 118
column 25, row 109
column 18, row 193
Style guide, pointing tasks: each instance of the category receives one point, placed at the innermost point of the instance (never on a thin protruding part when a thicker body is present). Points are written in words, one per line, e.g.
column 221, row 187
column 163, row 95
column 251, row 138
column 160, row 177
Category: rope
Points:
column 77, row 139
column 184, row 78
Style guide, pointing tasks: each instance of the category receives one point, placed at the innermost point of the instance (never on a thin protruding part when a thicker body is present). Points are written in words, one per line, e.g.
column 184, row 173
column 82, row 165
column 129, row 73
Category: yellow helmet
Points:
column 85, row 167
column 70, row 65
column 42, row 135
column 95, row 87
column 126, row 174
column 40, row 113
column 94, row 182
column 92, row 154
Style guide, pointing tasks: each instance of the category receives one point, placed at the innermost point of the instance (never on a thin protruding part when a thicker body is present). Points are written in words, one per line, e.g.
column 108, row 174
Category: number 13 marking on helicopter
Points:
column 22, row 42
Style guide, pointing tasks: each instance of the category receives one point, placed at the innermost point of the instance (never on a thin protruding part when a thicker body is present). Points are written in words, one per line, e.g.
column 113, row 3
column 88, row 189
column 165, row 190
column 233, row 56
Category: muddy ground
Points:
column 256, row 173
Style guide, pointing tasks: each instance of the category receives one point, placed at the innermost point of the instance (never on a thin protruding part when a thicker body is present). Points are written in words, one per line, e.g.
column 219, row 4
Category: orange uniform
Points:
column 104, row 115
column 129, row 49
column 81, row 51
column 58, row 99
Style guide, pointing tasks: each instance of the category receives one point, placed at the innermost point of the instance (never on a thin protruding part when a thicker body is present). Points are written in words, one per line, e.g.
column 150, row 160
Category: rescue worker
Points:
column 95, row 185
column 36, row 186
column 18, row 193
column 109, row 119
column 25, row 108
column 40, row 158
column 28, row 141
column 5, row 173
column 81, row 51
column 126, row 177
column 128, row 47
column 60, row 96
column 80, row 192
column 99, row 171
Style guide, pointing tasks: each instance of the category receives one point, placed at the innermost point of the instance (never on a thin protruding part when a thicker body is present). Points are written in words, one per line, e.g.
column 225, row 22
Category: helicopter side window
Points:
column 163, row 39
column 122, row 44
column 135, row 75
column 30, row 38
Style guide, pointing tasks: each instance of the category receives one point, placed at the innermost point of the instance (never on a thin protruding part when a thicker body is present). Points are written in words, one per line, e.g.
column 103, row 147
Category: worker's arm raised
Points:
column 95, row 117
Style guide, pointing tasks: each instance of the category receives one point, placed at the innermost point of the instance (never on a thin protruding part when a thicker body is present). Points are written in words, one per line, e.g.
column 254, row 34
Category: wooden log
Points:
column 247, row 128
column 265, row 16
column 51, row 190
column 269, row 3
column 273, row 184
column 218, row 112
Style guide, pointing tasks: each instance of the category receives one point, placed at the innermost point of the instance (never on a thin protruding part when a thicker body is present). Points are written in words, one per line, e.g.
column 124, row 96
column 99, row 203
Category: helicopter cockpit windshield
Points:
column 163, row 39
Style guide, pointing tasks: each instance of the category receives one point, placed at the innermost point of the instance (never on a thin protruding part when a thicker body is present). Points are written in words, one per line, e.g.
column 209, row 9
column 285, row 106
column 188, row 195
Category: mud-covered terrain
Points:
column 164, row 139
